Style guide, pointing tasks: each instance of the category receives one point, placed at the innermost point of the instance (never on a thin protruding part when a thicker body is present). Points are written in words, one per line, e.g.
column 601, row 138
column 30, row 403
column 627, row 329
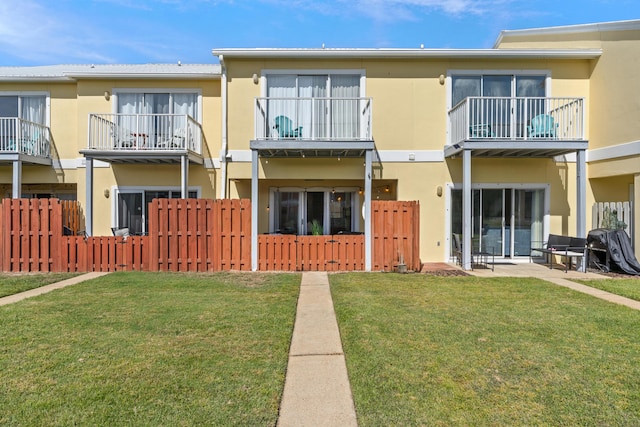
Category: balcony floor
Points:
column 516, row 148
column 143, row 156
column 311, row 148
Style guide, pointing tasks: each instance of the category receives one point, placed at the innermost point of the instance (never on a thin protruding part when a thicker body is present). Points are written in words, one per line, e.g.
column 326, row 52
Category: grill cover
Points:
column 618, row 245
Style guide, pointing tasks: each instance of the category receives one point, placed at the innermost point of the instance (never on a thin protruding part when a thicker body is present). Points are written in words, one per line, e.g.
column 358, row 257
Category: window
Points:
column 155, row 116
column 26, row 107
column 314, row 211
column 325, row 106
column 504, row 117
column 131, row 212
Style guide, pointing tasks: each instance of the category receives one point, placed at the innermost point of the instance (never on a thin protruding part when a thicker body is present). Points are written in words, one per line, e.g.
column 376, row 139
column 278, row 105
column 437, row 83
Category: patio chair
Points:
column 481, row 130
column 477, row 257
column 542, row 126
column 177, row 140
column 285, row 129
column 124, row 232
column 122, row 137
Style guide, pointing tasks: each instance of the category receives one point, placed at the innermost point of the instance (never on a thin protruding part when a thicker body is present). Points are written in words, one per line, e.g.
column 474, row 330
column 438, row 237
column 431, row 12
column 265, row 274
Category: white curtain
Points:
column 129, row 104
column 33, row 109
column 311, row 110
column 281, row 86
column 345, row 118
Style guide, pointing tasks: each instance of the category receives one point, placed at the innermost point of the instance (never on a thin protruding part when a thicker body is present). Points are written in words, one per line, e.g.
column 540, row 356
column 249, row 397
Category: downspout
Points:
column 224, row 149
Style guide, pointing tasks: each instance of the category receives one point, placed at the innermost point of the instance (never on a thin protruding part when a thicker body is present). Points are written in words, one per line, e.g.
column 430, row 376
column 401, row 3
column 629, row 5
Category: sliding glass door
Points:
column 317, row 211
column 504, row 220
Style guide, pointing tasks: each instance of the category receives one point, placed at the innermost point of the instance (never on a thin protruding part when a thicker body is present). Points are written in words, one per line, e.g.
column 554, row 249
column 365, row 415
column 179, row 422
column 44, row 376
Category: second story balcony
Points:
column 28, row 140
column 143, row 137
column 315, row 126
column 517, row 126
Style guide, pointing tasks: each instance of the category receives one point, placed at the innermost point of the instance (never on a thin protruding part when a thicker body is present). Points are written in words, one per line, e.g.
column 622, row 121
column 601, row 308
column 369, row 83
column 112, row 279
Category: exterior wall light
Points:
column 256, row 78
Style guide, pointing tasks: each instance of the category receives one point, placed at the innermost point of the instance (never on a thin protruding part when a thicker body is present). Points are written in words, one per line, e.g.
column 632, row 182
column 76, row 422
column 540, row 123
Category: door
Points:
column 130, row 212
column 505, row 220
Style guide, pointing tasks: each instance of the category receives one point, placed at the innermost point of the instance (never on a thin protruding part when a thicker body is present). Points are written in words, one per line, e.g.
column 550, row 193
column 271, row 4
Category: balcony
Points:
column 24, row 140
column 517, row 126
column 314, row 127
column 144, row 138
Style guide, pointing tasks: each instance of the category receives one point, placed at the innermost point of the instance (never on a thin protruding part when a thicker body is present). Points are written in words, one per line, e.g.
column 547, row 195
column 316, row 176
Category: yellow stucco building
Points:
column 501, row 146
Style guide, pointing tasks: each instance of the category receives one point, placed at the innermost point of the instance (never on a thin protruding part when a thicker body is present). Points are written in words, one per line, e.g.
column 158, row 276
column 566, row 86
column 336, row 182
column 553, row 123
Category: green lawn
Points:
column 424, row 350
column 629, row 288
column 149, row 349
column 15, row 283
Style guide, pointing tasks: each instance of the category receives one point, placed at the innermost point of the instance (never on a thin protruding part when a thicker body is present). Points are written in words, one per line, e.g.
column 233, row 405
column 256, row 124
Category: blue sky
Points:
column 45, row 32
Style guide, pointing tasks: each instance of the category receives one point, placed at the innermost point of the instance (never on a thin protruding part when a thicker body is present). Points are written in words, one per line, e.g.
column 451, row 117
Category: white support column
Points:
column 635, row 215
column 466, row 209
column 16, row 191
column 368, row 229
column 255, row 170
column 581, row 194
column 88, row 209
column 184, row 176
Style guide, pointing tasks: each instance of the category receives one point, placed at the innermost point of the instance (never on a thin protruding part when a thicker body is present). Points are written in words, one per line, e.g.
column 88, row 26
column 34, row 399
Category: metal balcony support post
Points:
column 466, row 209
column 368, row 229
column 17, row 179
column 88, row 228
column 184, row 176
column 254, row 209
column 581, row 194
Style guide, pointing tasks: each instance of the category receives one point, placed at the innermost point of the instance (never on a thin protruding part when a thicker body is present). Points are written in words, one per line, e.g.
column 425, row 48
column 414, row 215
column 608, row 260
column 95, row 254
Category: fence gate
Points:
column 330, row 253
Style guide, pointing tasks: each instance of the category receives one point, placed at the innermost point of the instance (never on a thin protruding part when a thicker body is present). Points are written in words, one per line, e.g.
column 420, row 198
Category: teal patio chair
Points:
column 542, row 126
column 285, row 129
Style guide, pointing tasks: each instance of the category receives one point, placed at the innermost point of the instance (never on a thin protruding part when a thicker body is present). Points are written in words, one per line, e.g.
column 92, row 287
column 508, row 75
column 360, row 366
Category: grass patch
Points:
column 629, row 288
column 149, row 349
column 424, row 350
column 15, row 283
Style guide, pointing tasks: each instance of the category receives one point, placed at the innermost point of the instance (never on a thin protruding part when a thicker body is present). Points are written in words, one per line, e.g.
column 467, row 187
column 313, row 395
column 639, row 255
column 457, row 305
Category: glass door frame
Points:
column 512, row 187
column 304, row 228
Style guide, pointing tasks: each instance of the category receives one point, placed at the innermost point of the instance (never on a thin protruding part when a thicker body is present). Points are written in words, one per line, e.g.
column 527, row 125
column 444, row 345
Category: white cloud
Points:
column 35, row 33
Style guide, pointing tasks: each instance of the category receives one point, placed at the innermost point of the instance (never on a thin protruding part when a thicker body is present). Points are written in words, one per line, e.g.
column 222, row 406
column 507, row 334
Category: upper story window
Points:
column 322, row 106
column 158, row 103
column 27, row 107
column 497, row 86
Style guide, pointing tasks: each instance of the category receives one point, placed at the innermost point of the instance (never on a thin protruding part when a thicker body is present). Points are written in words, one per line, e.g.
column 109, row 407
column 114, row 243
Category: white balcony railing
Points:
column 313, row 119
column 517, row 118
column 138, row 132
column 22, row 136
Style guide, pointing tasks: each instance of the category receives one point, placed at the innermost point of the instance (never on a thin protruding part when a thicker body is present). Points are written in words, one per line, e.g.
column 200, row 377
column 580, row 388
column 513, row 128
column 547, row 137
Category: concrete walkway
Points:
column 557, row 276
column 48, row 288
column 316, row 390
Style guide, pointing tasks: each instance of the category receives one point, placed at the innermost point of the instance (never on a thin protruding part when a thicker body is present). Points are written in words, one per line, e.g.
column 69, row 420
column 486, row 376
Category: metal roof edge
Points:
column 409, row 53
column 568, row 29
column 89, row 75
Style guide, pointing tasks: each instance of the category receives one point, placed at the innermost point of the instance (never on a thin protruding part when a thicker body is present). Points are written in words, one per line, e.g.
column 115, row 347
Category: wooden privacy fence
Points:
column 395, row 241
column 613, row 215
column 199, row 235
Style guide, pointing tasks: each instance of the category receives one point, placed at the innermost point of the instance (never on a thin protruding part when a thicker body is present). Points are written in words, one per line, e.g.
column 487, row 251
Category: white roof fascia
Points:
column 412, row 53
column 571, row 29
